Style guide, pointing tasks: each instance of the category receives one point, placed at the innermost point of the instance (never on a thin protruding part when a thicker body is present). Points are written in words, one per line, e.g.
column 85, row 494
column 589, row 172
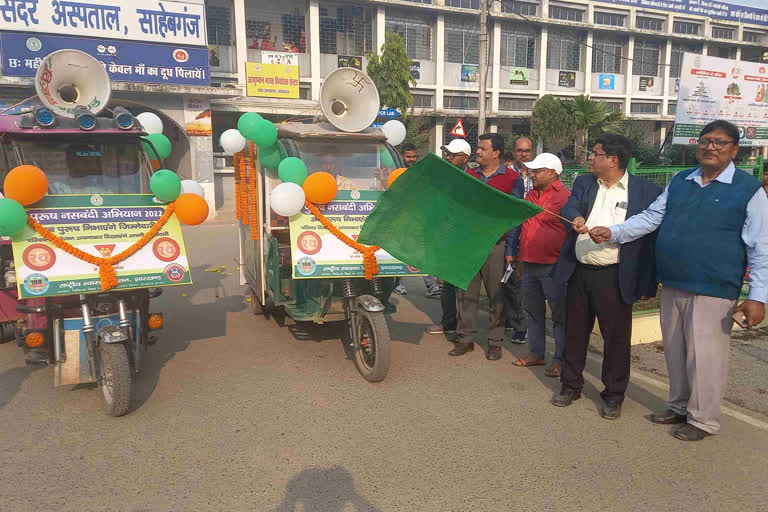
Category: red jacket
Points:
column 543, row 234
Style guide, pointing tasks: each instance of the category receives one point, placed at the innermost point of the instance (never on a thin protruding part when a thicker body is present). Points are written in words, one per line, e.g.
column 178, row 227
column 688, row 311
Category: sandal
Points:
column 529, row 361
column 554, row 370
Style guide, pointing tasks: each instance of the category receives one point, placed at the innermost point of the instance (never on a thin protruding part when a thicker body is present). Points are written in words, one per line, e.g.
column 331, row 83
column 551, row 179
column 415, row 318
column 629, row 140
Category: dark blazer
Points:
column 637, row 260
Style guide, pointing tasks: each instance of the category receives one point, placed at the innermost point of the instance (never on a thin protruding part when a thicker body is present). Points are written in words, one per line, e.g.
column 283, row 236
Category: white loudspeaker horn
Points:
column 67, row 79
column 349, row 100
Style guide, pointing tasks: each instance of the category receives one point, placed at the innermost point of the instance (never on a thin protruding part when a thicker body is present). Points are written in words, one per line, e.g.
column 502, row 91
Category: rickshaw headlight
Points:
column 44, row 116
column 85, row 118
column 155, row 321
column 34, row 340
column 123, row 119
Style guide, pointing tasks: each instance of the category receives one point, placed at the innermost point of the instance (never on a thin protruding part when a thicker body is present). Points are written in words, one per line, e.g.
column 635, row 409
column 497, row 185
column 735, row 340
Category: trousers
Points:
column 448, row 304
column 535, row 275
column 490, row 275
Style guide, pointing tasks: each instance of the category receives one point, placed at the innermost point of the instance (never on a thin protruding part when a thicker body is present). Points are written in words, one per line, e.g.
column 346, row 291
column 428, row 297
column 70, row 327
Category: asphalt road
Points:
column 235, row 413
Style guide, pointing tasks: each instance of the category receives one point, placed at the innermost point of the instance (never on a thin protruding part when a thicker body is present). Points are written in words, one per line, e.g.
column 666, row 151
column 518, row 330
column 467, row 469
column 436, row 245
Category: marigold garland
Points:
column 253, row 193
column 238, row 207
column 106, row 265
column 370, row 264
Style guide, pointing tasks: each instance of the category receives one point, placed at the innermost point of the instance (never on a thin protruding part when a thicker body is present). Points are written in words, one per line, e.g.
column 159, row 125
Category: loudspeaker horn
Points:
column 349, row 100
column 67, row 79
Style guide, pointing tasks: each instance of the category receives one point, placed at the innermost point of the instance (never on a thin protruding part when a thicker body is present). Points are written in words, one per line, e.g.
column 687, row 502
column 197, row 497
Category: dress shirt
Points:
column 610, row 208
column 527, row 180
column 754, row 233
column 543, row 234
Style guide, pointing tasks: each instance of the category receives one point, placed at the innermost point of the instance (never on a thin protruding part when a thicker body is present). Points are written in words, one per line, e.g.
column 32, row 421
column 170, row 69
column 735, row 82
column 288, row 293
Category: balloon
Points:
column 165, row 184
column 385, row 157
column 155, row 164
column 13, row 217
column 395, row 132
column 192, row 187
column 191, row 209
column 264, row 134
column 161, row 143
column 247, row 124
column 232, row 141
column 270, row 157
column 150, row 122
column 287, row 199
column 320, row 187
column 292, row 170
column 26, row 184
column 394, row 175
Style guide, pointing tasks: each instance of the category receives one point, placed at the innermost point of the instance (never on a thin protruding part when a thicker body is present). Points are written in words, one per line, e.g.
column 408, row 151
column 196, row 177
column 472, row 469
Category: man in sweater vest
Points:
column 712, row 222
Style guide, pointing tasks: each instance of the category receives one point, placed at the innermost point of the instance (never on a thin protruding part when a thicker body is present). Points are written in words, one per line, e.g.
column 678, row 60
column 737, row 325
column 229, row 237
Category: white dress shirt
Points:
column 610, row 208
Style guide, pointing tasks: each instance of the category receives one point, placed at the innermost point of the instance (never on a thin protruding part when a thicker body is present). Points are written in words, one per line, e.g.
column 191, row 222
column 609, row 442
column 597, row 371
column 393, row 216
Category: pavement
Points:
column 233, row 412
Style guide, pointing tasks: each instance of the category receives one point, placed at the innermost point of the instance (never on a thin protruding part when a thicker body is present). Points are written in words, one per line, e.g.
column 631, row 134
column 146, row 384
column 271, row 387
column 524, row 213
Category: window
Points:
column 676, row 64
column 524, row 8
column 420, row 1
column 279, row 29
column 460, row 102
column 348, row 32
column 564, row 51
column 749, row 37
column 724, row 52
column 416, row 32
column 644, row 23
column 518, row 47
column 646, row 58
column 461, row 43
column 422, row 100
column 613, row 106
column 752, row 54
column 607, row 54
column 607, row 18
column 516, row 104
column 722, row 33
column 671, row 108
column 566, row 13
column 685, row 27
column 219, row 21
column 645, row 108
column 463, row 4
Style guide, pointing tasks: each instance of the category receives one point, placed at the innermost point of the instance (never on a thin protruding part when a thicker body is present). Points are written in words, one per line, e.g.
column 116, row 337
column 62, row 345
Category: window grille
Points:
column 565, row 13
column 219, row 23
column 724, row 52
column 645, row 23
column 281, row 30
column 463, row 4
column 345, row 30
column 685, row 27
column 461, row 41
column 607, row 54
column 646, row 58
column 676, row 62
column 671, row 108
column 752, row 37
column 564, row 51
column 645, row 108
column 607, row 18
column 416, row 32
column 422, row 100
column 613, row 106
column 722, row 33
column 516, row 6
column 516, row 104
column 518, row 47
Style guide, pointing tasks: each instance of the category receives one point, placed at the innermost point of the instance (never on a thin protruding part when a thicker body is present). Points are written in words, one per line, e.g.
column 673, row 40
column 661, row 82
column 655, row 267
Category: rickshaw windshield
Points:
column 79, row 166
column 355, row 165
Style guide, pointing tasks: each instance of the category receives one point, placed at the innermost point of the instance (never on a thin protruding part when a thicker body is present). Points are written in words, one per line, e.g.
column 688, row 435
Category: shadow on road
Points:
column 326, row 489
column 11, row 379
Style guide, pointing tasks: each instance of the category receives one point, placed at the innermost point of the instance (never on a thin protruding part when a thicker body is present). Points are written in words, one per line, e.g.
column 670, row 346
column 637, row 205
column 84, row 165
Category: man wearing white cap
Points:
column 457, row 152
column 539, row 247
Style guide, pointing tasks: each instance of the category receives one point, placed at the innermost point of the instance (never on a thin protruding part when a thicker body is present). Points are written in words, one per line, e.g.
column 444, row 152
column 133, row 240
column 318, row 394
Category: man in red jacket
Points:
column 540, row 240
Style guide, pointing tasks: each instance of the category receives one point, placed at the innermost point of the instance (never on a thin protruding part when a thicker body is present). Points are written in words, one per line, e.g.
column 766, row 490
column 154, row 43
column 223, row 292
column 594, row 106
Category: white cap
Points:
column 458, row 146
column 546, row 161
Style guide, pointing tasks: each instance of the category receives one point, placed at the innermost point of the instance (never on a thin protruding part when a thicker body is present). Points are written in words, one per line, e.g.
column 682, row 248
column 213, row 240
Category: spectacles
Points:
column 716, row 143
column 594, row 154
column 523, row 151
column 536, row 171
column 448, row 154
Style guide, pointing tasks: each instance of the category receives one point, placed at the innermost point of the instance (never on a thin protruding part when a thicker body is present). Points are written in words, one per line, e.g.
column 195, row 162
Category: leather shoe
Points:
column 611, row 410
column 690, row 433
column 668, row 417
column 494, row 353
column 566, row 397
column 462, row 348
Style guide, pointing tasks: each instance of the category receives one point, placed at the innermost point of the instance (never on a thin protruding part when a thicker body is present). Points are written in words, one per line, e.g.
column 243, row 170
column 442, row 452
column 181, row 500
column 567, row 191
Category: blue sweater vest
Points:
column 699, row 247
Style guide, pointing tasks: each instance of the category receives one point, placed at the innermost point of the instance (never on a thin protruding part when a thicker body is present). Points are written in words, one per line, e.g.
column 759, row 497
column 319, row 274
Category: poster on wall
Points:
column 518, row 76
column 646, row 82
column 470, row 72
column 348, row 61
column 416, row 70
column 566, row 79
column 607, row 82
column 713, row 88
column 271, row 80
column 284, row 58
column 197, row 116
column 677, row 85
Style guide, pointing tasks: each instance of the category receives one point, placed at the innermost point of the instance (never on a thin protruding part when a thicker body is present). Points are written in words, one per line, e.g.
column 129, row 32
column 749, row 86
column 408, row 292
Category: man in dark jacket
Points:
column 604, row 280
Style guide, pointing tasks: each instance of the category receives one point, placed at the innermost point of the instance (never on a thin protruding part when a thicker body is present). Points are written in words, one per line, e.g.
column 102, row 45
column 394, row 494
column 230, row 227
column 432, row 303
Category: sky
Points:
column 750, row 3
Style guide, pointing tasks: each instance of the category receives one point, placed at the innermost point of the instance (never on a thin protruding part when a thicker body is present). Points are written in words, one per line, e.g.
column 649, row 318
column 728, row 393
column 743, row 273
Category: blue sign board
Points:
column 125, row 61
column 708, row 8
column 607, row 81
column 389, row 112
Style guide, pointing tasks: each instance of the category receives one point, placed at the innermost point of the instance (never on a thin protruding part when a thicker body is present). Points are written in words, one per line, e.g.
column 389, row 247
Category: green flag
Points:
column 442, row 220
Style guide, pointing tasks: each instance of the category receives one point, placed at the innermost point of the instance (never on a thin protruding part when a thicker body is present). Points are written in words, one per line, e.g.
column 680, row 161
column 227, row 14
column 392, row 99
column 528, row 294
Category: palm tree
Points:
column 591, row 118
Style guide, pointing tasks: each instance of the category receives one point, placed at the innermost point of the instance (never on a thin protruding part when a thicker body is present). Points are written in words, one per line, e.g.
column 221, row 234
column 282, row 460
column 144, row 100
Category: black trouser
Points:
column 594, row 291
column 448, row 304
column 515, row 316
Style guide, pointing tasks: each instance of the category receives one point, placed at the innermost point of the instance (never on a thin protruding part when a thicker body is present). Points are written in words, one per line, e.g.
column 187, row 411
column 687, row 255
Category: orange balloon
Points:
column 26, row 184
column 394, row 175
column 155, row 164
column 191, row 209
column 320, row 187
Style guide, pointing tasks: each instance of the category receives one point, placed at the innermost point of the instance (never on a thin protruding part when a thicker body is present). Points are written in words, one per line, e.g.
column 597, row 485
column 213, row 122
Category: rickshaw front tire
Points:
column 114, row 359
column 381, row 365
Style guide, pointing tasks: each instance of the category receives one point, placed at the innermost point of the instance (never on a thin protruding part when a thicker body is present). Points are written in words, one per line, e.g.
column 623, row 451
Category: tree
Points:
column 591, row 118
column 391, row 72
column 551, row 123
column 416, row 132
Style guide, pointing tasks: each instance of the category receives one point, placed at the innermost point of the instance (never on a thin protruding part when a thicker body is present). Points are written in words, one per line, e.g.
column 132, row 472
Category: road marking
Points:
column 762, row 425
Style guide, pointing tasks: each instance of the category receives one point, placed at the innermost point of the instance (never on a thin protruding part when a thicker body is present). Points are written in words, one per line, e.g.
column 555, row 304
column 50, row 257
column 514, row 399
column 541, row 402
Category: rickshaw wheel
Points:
column 115, row 384
column 373, row 350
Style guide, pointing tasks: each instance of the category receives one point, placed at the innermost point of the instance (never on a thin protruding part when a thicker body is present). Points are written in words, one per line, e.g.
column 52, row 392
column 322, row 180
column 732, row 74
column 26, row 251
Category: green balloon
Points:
column 271, row 156
column 165, row 184
column 265, row 134
column 13, row 217
column 386, row 158
column 248, row 123
column 292, row 170
column 162, row 145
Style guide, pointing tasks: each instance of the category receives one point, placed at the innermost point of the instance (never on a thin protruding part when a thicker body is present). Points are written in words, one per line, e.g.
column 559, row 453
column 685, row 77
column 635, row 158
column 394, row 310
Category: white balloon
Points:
column 192, row 187
column 151, row 122
column 287, row 199
column 232, row 141
column 395, row 132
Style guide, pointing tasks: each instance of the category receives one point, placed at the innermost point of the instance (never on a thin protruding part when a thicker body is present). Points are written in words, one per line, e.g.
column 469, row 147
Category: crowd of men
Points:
column 609, row 241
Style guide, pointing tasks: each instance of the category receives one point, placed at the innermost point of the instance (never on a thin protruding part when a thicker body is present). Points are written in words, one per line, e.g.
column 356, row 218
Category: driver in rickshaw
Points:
column 330, row 163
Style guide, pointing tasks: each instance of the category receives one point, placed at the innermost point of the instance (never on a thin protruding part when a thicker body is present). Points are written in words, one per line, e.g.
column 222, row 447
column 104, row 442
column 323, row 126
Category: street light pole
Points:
column 483, row 65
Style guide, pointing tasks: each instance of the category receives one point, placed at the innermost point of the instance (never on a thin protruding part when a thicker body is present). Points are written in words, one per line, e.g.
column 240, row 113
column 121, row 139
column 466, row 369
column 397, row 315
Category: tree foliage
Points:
column 550, row 121
column 416, row 133
column 391, row 72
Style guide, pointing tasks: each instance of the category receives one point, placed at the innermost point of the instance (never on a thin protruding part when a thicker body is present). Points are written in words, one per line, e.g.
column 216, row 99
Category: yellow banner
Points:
column 272, row 80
